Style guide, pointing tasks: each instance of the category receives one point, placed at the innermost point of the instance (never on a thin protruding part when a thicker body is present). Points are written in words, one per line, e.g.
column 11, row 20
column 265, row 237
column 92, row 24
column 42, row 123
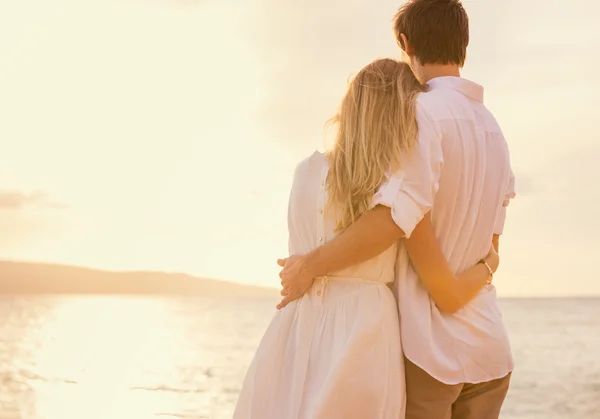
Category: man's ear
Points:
column 405, row 45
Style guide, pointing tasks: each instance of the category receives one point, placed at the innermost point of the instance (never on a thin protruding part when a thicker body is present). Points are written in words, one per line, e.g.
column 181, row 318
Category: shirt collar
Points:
column 466, row 87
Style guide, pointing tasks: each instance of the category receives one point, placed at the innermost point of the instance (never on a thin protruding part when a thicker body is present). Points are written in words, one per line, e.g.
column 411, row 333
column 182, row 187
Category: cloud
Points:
column 16, row 200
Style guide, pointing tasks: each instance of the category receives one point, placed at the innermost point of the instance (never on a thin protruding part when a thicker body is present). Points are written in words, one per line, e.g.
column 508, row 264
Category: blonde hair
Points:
column 376, row 128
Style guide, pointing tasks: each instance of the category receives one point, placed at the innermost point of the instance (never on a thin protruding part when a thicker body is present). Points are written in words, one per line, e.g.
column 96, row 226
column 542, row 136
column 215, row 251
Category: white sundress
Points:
column 335, row 353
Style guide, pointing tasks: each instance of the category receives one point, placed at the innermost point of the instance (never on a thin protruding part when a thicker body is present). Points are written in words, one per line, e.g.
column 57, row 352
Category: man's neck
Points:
column 431, row 71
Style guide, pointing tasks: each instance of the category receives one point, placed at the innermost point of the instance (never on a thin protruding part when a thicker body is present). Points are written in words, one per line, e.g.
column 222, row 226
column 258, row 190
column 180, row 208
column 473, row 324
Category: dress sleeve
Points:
column 291, row 205
column 410, row 192
column 508, row 196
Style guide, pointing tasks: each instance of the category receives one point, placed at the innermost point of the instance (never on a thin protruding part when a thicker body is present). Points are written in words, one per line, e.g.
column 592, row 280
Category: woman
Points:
column 335, row 353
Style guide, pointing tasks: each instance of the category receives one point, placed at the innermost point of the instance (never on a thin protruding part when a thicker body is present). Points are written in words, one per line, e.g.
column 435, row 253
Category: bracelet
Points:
column 489, row 268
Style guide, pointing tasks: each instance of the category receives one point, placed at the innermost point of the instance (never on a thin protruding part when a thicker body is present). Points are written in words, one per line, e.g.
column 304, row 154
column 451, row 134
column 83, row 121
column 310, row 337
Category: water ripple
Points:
column 134, row 358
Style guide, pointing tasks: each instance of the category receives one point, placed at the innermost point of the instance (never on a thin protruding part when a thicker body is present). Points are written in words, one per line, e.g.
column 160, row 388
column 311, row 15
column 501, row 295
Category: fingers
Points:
column 281, row 262
column 284, row 302
column 284, row 281
column 289, row 295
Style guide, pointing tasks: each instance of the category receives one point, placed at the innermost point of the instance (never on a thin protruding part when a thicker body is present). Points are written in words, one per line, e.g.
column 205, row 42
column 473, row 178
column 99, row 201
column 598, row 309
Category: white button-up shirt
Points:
column 460, row 170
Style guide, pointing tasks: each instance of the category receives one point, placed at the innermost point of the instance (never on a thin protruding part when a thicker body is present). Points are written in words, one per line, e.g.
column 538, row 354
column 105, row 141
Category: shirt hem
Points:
column 454, row 382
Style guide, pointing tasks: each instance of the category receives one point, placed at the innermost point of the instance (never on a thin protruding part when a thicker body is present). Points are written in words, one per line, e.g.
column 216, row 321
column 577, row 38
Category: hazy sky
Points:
column 155, row 134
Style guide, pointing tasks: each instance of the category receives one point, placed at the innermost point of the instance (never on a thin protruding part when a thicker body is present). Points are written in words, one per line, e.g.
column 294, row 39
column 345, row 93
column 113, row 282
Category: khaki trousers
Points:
column 428, row 398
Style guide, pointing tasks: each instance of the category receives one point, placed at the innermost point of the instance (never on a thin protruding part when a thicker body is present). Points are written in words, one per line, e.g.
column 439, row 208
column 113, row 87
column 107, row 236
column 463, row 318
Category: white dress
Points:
column 335, row 353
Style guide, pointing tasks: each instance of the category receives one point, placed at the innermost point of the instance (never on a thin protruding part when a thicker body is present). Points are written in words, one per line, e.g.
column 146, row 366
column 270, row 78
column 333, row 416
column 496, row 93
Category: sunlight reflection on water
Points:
column 125, row 357
column 144, row 358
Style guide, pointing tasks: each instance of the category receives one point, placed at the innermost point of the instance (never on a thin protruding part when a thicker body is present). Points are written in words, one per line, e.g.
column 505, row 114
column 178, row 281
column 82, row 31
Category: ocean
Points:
column 142, row 358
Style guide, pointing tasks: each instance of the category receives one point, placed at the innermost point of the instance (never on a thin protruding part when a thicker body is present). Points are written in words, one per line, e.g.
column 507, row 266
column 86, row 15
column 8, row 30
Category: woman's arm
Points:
column 449, row 292
column 496, row 242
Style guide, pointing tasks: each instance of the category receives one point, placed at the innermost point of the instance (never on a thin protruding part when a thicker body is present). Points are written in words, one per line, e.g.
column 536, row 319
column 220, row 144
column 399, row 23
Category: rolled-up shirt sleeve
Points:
column 410, row 192
column 508, row 196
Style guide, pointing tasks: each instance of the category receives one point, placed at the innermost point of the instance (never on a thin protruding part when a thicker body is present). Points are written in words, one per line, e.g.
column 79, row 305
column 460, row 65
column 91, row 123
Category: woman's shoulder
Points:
column 311, row 164
column 308, row 177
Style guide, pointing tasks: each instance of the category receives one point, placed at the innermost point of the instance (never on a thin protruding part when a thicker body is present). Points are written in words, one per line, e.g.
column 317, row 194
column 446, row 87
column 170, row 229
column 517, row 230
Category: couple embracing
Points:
column 388, row 310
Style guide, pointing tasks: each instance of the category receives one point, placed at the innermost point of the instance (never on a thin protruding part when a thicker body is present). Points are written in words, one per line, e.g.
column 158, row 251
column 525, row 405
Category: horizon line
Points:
column 233, row 282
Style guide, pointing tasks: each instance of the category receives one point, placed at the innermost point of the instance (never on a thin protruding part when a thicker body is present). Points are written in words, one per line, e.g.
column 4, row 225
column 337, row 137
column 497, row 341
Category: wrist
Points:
column 488, row 269
column 312, row 264
column 492, row 262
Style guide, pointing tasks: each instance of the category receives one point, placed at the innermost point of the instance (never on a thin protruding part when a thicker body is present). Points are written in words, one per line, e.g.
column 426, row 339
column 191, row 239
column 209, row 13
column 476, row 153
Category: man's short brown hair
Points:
column 437, row 30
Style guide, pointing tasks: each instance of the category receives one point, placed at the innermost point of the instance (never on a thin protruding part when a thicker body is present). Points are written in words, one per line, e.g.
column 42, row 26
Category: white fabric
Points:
column 461, row 171
column 335, row 353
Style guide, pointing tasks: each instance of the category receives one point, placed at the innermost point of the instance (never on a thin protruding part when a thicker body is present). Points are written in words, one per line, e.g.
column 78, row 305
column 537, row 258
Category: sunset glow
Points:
column 163, row 135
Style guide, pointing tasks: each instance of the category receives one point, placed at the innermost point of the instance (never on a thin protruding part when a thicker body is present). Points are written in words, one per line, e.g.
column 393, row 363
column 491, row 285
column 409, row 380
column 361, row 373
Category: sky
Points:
column 163, row 134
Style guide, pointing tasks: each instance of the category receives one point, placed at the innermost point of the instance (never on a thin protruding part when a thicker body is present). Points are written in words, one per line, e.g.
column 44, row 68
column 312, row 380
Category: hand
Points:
column 493, row 259
column 295, row 279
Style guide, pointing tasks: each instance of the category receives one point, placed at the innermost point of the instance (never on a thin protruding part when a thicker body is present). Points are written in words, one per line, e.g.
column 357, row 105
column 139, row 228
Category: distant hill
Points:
column 43, row 278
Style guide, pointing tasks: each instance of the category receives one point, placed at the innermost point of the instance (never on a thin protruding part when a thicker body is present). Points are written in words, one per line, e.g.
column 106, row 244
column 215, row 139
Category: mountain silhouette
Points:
column 45, row 278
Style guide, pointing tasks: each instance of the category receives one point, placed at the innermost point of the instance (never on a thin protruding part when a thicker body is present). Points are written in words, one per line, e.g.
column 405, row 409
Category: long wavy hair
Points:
column 376, row 129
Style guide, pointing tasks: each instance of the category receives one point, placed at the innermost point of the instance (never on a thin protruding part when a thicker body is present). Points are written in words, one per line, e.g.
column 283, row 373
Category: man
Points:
column 458, row 363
